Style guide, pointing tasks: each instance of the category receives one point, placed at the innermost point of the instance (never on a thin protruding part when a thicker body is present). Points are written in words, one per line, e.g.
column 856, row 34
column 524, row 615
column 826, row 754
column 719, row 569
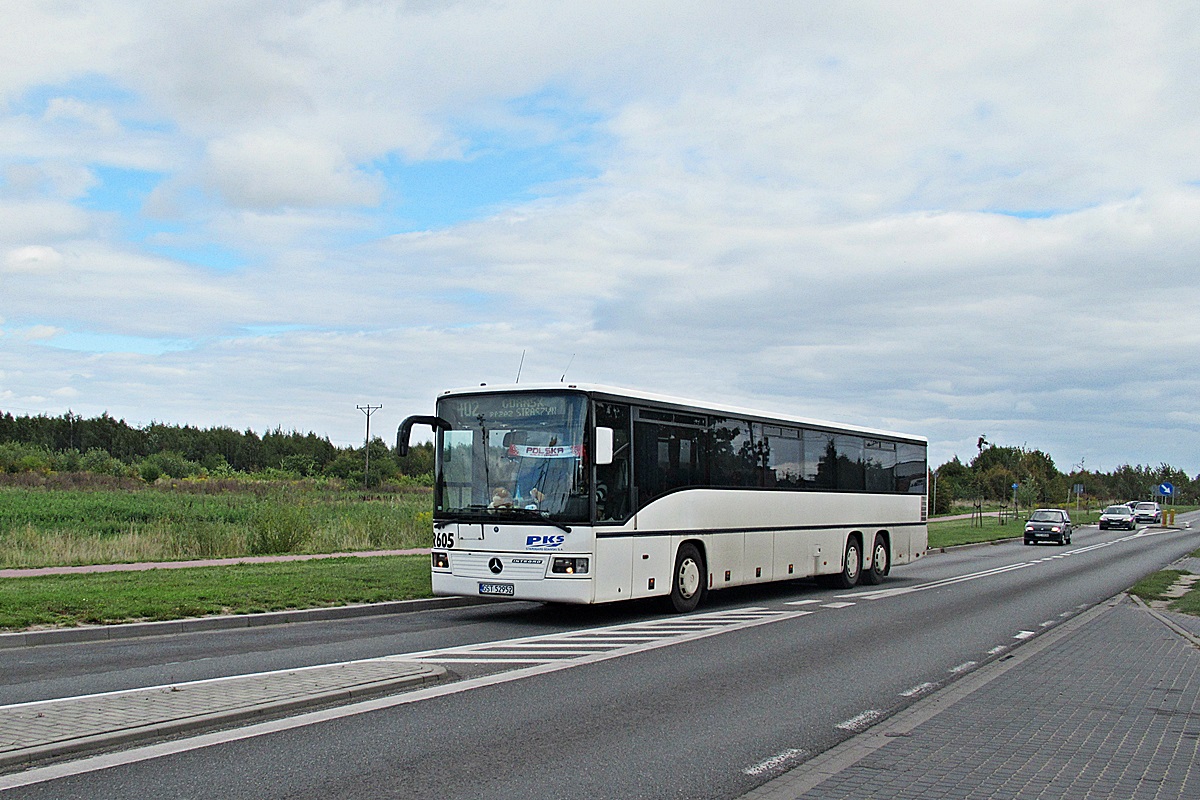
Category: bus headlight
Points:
column 441, row 560
column 569, row 566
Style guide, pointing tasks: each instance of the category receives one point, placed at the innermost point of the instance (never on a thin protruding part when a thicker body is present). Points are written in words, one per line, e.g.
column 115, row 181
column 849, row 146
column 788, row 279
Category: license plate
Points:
column 506, row 589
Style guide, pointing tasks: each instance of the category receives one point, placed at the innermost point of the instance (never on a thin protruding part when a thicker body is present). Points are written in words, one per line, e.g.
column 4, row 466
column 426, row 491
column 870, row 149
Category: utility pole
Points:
column 368, row 410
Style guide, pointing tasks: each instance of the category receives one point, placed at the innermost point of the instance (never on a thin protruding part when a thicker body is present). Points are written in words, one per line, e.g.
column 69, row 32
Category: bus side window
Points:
column 667, row 457
column 613, row 480
column 733, row 459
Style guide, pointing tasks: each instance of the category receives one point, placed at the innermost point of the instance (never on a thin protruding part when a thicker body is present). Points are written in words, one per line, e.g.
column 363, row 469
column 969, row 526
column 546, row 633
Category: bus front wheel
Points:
column 687, row 583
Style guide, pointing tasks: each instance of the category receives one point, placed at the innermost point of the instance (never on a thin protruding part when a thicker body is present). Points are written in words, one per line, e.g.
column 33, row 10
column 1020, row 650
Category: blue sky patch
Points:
column 91, row 88
column 212, row 256
column 1027, row 213
column 120, row 190
column 115, row 343
column 501, row 166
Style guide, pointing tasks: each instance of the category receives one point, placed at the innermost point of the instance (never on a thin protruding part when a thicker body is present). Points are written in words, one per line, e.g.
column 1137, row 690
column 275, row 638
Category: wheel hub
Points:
column 689, row 577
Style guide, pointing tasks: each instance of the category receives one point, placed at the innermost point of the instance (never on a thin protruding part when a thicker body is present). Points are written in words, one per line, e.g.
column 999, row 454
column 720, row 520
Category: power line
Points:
column 368, row 410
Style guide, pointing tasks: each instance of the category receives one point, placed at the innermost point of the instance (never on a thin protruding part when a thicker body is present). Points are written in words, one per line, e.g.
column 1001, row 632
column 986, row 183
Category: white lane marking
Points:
column 801, row 602
column 1047, row 623
column 1025, row 635
column 164, row 749
column 860, row 722
column 627, row 638
column 882, row 594
column 995, row 651
column 967, row 665
column 776, row 762
column 919, row 689
column 836, row 605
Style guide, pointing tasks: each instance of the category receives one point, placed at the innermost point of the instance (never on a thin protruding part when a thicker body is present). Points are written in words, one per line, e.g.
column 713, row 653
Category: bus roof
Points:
column 614, row 392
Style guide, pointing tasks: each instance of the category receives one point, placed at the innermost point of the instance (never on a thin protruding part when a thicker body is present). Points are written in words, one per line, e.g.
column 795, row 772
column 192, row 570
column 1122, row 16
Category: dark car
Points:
column 1048, row 525
column 1148, row 512
column 1118, row 517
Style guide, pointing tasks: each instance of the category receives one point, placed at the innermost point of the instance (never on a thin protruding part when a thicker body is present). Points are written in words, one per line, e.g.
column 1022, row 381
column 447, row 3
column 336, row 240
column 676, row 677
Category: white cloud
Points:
column 39, row 332
column 33, row 258
column 268, row 170
column 794, row 208
column 70, row 110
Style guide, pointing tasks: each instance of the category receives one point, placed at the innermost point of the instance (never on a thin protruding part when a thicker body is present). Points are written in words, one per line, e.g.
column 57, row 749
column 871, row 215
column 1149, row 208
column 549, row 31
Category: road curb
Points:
column 850, row 752
column 136, row 630
column 420, row 675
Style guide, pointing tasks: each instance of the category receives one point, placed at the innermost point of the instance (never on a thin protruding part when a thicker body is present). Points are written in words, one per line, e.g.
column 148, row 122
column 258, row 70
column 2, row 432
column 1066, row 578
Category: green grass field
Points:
column 950, row 533
column 163, row 594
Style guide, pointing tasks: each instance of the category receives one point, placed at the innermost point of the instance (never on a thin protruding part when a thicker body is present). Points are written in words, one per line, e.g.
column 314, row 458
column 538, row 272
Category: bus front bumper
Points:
column 550, row 590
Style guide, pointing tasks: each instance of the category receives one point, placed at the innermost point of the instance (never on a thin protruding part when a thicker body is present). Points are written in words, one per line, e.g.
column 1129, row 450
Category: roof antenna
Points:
column 520, row 366
column 569, row 363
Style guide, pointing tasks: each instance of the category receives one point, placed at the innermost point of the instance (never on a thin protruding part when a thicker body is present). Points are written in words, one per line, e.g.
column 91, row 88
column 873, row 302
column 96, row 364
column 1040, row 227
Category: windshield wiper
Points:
column 534, row 516
column 482, row 512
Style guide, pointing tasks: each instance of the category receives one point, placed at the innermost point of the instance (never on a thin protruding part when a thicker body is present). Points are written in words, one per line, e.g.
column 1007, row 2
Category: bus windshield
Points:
column 513, row 455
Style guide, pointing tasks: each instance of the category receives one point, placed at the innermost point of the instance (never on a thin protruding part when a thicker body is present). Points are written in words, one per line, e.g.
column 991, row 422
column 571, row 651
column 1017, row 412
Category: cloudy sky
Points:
column 946, row 218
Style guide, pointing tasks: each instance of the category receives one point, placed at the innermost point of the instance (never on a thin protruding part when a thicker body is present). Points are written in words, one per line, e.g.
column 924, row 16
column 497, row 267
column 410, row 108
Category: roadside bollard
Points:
column 1171, row 518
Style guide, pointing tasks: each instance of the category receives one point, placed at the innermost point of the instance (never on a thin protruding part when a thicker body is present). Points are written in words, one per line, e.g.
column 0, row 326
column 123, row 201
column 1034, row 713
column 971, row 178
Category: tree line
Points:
column 991, row 475
column 109, row 446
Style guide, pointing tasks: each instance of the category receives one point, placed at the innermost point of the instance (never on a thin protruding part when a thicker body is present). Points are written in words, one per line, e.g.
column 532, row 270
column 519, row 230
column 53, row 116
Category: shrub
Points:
column 18, row 457
column 277, row 527
column 168, row 463
column 99, row 462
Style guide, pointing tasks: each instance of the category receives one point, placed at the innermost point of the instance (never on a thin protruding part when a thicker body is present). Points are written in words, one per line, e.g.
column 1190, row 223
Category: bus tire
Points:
column 687, row 581
column 851, row 565
column 880, row 561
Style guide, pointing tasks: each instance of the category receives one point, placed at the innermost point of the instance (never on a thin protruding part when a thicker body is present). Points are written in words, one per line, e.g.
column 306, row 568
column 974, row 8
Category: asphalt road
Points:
column 710, row 717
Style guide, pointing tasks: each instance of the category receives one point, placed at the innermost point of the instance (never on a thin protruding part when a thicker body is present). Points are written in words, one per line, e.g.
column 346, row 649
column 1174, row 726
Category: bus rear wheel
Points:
column 880, row 559
column 687, row 583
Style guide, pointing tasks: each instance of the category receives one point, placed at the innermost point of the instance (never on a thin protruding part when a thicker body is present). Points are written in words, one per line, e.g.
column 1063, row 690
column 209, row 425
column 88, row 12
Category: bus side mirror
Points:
column 405, row 430
column 604, row 446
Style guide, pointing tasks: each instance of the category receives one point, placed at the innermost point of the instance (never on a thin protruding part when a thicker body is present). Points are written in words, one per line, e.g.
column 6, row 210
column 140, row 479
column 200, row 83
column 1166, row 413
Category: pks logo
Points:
column 545, row 542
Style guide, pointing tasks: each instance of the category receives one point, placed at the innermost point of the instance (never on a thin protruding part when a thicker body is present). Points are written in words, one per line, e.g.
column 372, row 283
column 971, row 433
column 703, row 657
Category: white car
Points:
column 1147, row 512
column 1118, row 517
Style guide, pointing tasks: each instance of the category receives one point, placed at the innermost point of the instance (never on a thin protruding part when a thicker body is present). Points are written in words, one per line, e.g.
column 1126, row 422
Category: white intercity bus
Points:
column 591, row 494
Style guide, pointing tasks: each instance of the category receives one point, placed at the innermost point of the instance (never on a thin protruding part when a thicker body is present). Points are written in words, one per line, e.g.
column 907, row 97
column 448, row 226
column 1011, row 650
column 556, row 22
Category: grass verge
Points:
column 962, row 531
column 165, row 594
column 1154, row 587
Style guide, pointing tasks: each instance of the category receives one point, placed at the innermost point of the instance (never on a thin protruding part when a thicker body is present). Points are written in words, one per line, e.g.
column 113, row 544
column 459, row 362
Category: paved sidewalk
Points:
column 73, row 725
column 1107, row 706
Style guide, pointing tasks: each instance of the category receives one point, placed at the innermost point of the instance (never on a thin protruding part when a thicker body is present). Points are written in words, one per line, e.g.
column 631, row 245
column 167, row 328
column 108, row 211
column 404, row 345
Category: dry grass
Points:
column 50, row 527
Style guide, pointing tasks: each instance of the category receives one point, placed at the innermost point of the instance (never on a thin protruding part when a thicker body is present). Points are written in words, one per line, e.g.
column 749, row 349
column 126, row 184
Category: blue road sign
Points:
column 1166, row 489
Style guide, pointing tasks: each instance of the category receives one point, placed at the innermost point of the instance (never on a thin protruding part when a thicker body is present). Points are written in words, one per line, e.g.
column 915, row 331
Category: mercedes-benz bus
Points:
column 592, row 494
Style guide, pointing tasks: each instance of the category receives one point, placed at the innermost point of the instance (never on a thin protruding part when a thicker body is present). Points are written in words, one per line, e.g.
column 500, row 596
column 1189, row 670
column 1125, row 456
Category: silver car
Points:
column 1147, row 512
column 1118, row 517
